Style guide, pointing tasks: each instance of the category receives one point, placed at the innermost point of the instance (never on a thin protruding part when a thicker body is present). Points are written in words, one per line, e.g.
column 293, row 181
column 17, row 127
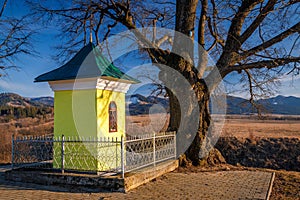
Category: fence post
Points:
column 12, row 151
column 63, row 154
column 116, row 152
column 175, row 146
column 122, row 157
column 154, row 153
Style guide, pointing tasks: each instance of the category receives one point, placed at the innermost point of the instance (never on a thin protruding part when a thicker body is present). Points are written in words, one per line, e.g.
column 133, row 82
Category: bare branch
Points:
column 263, row 64
column 202, row 56
column 252, row 95
column 100, row 21
column 109, row 27
column 15, row 39
column 293, row 46
column 154, row 30
column 3, row 7
column 238, row 20
column 258, row 20
column 229, row 55
column 215, row 35
column 160, row 41
column 278, row 38
column 201, row 25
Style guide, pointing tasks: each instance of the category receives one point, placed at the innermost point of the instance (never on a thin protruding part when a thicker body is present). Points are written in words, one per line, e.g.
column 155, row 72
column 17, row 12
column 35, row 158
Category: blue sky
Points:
column 21, row 81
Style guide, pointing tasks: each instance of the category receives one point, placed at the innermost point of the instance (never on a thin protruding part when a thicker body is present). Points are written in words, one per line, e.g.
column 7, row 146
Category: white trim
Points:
column 78, row 84
column 89, row 83
column 103, row 84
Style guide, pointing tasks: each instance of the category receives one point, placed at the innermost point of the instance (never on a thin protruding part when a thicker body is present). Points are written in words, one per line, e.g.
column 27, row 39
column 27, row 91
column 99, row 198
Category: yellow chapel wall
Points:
column 111, row 152
column 75, row 116
column 75, row 113
column 104, row 97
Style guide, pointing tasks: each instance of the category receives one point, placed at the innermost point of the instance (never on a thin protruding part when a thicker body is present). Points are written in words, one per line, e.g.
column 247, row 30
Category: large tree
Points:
column 15, row 38
column 257, row 40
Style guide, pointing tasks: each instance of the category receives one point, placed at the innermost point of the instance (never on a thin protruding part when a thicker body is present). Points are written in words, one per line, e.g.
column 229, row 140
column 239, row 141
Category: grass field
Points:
column 245, row 128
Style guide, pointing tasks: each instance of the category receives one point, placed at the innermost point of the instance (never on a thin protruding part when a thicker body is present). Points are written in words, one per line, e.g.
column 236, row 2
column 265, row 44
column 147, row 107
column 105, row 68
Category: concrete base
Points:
column 92, row 182
column 145, row 175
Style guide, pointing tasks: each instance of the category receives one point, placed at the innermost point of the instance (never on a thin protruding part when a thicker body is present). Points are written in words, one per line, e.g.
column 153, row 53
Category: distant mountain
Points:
column 15, row 100
column 48, row 101
column 281, row 105
column 237, row 105
column 139, row 104
column 14, row 106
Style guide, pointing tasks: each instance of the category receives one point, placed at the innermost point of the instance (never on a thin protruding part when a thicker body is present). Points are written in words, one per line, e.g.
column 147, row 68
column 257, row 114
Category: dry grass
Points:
column 286, row 185
column 146, row 124
column 240, row 128
column 245, row 128
column 22, row 127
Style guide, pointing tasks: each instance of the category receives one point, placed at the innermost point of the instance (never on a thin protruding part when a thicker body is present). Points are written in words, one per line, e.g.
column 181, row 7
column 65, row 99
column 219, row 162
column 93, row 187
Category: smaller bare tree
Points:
column 15, row 39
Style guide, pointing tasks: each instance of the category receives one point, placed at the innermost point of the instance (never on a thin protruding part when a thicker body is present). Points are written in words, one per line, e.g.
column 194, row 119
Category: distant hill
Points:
column 275, row 105
column 281, row 105
column 15, row 100
column 237, row 105
column 15, row 106
column 47, row 101
column 138, row 104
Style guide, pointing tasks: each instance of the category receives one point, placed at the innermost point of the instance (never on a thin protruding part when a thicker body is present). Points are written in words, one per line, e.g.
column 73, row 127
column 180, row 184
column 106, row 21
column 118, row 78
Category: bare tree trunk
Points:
column 196, row 111
column 194, row 151
column 201, row 151
column 175, row 114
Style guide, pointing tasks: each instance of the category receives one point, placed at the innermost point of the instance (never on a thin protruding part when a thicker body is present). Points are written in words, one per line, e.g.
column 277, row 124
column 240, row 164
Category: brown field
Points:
column 22, row 127
column 247, row 128
column 235, row 126
column 145, row 124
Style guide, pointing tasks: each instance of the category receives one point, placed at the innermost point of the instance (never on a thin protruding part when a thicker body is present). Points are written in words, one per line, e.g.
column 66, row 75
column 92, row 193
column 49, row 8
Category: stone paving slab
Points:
column 202, row 185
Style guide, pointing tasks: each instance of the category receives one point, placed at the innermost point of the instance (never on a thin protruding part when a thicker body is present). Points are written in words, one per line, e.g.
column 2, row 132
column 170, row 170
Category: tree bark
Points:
column 195, row 150
column 199, row 150
column 175, row 114
column 197, row 112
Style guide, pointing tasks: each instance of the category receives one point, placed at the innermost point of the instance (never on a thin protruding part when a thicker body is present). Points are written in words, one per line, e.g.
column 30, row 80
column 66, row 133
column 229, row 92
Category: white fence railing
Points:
column 115, row 155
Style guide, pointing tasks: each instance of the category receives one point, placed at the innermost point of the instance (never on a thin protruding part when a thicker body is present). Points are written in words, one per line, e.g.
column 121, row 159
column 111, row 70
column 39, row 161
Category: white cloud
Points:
column 289, row 78
column 290, row 86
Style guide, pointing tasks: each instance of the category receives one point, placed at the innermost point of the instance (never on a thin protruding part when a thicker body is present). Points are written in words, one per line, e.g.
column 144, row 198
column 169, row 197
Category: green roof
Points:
column 87, row 63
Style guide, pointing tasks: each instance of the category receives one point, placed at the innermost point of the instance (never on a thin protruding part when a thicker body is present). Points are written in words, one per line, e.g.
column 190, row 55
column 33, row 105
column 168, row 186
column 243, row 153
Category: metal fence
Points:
column 117, row 155
column 148, row 150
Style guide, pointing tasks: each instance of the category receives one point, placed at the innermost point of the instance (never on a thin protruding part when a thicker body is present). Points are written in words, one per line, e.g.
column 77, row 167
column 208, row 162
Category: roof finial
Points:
column 91, row 30
column 91, row 27
column 91, row 36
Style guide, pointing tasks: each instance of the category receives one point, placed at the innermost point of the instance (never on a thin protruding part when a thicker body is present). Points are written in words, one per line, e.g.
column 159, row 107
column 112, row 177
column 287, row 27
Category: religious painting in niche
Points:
column 113, row 125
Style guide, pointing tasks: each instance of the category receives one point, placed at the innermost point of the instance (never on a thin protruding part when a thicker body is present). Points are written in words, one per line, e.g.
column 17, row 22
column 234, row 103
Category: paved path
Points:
column 194, row 186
